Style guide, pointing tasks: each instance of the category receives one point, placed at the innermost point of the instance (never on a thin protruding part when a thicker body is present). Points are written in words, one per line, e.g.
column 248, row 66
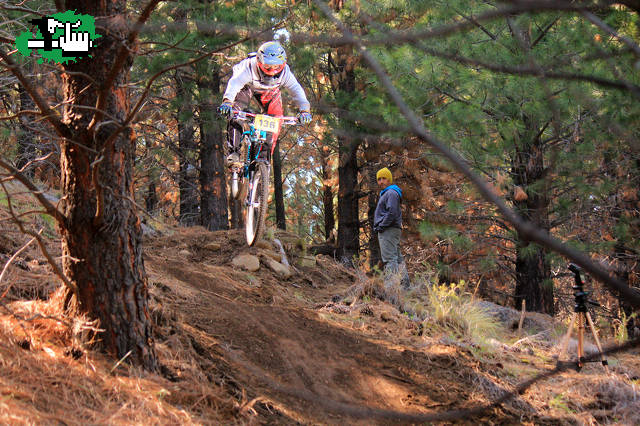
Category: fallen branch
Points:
column 527, row 338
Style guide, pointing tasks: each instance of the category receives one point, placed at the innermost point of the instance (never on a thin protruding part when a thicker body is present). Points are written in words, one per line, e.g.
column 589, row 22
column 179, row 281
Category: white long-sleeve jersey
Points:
column 246, row 73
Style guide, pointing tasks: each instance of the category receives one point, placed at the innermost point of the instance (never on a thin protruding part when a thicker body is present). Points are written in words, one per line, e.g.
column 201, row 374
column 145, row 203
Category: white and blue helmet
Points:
column 271, row 58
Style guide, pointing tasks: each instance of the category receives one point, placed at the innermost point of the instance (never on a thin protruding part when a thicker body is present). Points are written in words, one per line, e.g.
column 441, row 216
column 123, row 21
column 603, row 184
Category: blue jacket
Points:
column 388, row 213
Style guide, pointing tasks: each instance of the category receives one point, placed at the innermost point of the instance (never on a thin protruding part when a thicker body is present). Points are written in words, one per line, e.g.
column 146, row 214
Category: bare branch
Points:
column 122, row 56
column 544, row 32
column 50, row 208
column 56, row 269
column 19, row 114
column 535, row 71
column 50, row 114
column 478, row 24
column 10, row 261
column 33, row 317
column 603, row 26
column 22, row 9
column 445, row 30
column 390, row 38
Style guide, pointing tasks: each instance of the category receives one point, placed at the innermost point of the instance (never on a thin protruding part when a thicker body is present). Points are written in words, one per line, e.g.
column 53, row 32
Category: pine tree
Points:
column 101, row 234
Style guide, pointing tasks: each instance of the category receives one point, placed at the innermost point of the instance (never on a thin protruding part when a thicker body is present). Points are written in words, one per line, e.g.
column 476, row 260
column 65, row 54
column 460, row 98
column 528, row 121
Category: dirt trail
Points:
column 241, row 347
column 271, row 340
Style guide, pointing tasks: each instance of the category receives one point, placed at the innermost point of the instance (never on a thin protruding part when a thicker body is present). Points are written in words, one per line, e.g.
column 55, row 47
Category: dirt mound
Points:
column 285, row 343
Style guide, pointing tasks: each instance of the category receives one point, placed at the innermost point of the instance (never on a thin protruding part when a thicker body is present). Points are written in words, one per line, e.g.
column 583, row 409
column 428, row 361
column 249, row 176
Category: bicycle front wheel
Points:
column 257, row 204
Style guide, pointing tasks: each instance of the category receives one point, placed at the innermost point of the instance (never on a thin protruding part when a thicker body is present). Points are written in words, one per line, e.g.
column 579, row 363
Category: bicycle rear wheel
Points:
column 257, row 204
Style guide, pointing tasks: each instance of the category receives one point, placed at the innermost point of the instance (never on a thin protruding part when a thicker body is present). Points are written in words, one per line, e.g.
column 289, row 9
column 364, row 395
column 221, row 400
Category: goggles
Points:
column 271, row 69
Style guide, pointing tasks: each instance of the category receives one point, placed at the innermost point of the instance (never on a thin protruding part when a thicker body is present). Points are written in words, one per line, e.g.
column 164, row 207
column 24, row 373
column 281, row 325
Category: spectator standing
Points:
column 388, row 224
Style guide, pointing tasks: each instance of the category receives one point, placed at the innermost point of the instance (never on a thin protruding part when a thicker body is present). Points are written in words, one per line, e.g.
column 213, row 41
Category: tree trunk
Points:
column 627, row 220
column 533, row 278
column 627, row 271
column 533, row 272
column 281, row 222
column 327, row 197
column 348, row 212
column 213, row 184
column 187, row 174
column 151, row 197
column 374, row 245
column 101, row 239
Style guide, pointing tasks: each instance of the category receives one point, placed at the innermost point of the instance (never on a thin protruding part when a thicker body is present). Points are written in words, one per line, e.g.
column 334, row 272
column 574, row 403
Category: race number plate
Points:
column 266, row 123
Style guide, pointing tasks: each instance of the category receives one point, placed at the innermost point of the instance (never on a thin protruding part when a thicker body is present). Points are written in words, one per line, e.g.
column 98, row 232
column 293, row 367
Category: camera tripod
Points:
column 582, row 317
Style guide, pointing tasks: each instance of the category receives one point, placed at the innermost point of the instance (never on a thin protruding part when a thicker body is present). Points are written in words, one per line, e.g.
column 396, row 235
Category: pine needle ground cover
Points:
column 240, row 347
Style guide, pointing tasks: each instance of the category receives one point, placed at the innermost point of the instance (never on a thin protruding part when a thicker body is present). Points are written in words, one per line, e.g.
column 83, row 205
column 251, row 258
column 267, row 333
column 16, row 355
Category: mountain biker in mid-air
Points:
column 260, row 75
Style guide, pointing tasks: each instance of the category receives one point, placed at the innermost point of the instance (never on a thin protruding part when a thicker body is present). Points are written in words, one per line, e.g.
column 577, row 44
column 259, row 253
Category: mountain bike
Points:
column 250, row 177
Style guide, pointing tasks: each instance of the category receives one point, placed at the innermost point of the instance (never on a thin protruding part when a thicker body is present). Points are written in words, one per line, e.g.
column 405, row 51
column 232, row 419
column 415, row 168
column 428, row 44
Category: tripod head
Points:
column 579, row 293
column 576, row 275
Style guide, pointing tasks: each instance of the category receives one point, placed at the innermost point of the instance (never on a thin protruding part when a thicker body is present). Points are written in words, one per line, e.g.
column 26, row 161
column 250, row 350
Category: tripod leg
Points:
column 581, row 322
column 595, row 336
column 565, row 340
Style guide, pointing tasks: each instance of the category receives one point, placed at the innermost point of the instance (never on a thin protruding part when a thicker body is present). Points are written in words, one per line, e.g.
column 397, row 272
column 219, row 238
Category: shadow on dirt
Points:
column 308, row 367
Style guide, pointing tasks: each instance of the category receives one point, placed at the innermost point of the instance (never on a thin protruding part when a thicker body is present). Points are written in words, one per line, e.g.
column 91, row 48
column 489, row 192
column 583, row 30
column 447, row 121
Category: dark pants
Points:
column 270, row 102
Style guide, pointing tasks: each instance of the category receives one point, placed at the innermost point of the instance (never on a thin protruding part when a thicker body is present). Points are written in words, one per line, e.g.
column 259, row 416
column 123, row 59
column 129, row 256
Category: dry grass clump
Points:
column 452, row 309
column 622, row 397
column 375, row 288
column 596, row 397
column 443, row 308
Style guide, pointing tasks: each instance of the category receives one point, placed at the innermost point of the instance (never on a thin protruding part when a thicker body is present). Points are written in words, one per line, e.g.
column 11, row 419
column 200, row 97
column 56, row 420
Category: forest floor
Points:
column 239, row 347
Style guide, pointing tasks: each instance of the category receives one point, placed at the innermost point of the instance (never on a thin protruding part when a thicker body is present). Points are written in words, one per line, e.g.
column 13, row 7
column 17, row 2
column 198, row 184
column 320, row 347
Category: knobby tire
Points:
column 257, row 207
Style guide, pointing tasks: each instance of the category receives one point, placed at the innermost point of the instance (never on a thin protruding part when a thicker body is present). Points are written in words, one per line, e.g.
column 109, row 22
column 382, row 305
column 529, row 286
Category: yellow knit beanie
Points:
column 385, row 173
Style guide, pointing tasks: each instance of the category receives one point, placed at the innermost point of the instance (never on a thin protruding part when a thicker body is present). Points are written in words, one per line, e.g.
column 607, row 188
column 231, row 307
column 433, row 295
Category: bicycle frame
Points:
column 255, row 169
column 257, row 138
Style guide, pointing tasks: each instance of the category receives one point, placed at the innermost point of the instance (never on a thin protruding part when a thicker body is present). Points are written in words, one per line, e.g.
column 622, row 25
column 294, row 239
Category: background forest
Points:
column 512, row 128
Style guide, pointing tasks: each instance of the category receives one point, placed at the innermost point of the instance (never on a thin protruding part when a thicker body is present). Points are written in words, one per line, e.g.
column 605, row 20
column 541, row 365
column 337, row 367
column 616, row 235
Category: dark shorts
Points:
column 270, row 102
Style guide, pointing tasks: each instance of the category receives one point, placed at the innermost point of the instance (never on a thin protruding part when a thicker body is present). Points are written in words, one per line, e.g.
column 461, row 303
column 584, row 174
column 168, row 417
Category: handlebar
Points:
column 240, row 115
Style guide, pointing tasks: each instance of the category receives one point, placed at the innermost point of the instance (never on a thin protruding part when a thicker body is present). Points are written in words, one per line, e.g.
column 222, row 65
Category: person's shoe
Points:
column 233, row 158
